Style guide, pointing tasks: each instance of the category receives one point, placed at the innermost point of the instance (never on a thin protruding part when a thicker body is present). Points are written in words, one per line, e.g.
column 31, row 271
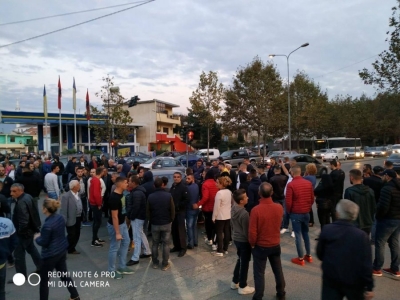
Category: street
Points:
column 198, row 275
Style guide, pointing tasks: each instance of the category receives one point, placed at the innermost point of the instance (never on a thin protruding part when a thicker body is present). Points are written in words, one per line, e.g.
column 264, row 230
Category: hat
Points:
column 389, row 172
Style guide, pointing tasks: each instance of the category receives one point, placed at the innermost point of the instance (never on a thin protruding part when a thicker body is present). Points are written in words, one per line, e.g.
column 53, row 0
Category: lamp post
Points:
column 111, row 90
column 288, row 90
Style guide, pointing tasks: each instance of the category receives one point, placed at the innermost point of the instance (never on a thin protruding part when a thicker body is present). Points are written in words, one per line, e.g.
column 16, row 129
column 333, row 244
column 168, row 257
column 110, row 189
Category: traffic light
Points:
column 190, row 136
column 114, row 144
column 133, row 101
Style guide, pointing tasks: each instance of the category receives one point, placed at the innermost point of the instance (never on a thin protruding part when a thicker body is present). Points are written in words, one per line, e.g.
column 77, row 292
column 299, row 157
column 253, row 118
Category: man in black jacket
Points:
column 70, row 168
column 346, row 256
column 252, row 191
column 136, row 213
column 338, row 177
column 7, row 182
column 179, row 193
column 388, row 225
column 375, row 182
column 160, row 212
column 31, row 182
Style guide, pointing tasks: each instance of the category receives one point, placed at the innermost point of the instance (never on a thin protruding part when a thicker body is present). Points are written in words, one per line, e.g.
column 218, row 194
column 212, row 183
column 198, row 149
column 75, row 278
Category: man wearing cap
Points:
column 388, row 225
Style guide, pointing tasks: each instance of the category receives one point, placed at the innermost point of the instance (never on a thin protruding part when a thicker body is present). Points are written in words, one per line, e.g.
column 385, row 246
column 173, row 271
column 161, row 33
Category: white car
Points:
column 332, row 154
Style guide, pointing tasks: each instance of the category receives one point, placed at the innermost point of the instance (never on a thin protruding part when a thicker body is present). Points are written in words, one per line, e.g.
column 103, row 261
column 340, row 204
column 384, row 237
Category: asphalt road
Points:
column 198, row 275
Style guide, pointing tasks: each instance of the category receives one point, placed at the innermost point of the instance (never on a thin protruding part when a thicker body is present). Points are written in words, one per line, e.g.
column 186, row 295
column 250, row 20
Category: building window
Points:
column 12, row 139
column 165, row 130
column 161, row 108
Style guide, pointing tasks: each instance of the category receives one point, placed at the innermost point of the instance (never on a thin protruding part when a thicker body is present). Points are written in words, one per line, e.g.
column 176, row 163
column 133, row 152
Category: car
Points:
column 375, row 152
column 236, row 157
column 131, row 159
column 351, row 154
column 191, row 157
column 14, row 161
column 163, row 163
column 396, row 148
column 141, row 154
column 304, row 159
column 332, row 154
column 169, row 173
column 318, row 153
column 395, row 159
column 170, row 154
column 212, row 153
column 267, row 159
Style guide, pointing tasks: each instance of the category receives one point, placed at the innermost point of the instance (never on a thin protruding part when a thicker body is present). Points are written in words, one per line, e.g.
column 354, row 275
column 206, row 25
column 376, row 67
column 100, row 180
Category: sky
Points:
column 158, row 50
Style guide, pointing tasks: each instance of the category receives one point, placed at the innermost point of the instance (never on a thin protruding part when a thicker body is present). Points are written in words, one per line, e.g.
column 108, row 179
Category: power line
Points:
column 346, row 66
column 67, row 14
column 75, row 25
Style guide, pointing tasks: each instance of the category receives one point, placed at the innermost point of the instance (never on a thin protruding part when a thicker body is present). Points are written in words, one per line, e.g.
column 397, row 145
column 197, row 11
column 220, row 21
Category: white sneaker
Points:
column 208, row 242
column 215, row 253
column 234, row 286
column 246, row 290
column 292, row 235
column 226, row 252
column 284, row 230
column 214, row 247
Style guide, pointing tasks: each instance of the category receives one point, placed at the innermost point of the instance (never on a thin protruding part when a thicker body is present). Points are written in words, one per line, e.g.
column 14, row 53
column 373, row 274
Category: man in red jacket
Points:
column 264, row 238
column 299, row 199
column 96, row 201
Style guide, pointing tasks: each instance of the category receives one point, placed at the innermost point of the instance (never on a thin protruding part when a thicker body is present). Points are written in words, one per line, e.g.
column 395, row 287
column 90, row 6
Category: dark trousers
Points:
column 333, row 210
column 223, row 230
column 130, row 232
column 209, row 225
column 324, row 216
column 335, row 291
column 25, row 245
column 74, row 233
column 105, row 208
column 260, row 257
column 311, row 217
column 84, row 209
column 97, row 214
column 242, row 263
column 179, row 231
column 3, row 273
column 49, row 264
column 367, row 230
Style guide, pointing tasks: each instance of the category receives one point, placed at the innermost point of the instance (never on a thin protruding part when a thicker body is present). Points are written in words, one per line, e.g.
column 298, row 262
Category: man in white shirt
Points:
column 51, row 183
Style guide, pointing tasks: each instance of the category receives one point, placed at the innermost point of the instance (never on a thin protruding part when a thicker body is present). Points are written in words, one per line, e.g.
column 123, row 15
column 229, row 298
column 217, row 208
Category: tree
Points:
column 386, row 76
column 205, row 102
column 117, row 118
column 31, row 145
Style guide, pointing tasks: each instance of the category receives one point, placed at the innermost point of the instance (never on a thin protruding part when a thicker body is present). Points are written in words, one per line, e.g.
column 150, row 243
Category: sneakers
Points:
column 132, row 262
column 377, row 273
column 125, row 271
column 117, row 276
column 96, row 244
column 101, row 241
column 225, row 252
column 165, row 268
column 308, row 258
column 209, row 242
column 246, row 290
column 298, row 261
column 155, row 266
column 214, row 247
column 234, row 286
column 284, row 230
column 292, row 235
column 215, row 253
column 391, row 272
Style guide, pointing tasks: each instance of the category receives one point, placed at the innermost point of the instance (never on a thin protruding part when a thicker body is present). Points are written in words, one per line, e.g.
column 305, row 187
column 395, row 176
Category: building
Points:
column 15, row 143
column 158, row 122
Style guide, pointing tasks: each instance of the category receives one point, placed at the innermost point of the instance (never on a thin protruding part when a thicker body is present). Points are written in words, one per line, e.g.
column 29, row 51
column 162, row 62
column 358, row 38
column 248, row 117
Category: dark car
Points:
column 169, row 173
column 14, row 161
column 163, row 163
column 395, row 159
column 304, row 159
column 142, row 155
column 191, row 157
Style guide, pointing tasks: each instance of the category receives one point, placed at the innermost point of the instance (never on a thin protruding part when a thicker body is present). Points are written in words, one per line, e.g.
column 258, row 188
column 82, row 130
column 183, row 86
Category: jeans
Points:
column 300, row 228
column 52, row 195
column 3, row 273
column 10, row 201
column 139, row 239
column 60, row 183
column 209, row 225
column 373, row 231
column 286, row 217
column 223, row 229
column 25, row 244
column 97, row 214
column 334, row 291
column 179, row 231
column 260, row 257
column 161, row 233
column 117, row 248
column 387, row 231
column 74, row 233
column 48, row 265
column 242, row 263
column 191, row 224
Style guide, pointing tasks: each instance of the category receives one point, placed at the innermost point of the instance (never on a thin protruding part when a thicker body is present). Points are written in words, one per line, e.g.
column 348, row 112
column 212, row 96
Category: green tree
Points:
column 205, row 102
column 117, row 118
column 31, row 145
column 386, row 74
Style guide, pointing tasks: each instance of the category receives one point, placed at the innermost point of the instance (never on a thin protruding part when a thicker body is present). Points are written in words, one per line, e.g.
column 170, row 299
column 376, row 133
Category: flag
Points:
column 59, row 93
column 44, row 101
column 87, row 106
column 74, row 96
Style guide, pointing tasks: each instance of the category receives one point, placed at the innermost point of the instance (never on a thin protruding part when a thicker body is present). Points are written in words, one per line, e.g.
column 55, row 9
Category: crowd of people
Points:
column 250, row 208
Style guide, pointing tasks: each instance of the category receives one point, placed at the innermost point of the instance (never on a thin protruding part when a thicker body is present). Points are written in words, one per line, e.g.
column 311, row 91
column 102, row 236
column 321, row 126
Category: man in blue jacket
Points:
column 192, row 214
column 255, row 183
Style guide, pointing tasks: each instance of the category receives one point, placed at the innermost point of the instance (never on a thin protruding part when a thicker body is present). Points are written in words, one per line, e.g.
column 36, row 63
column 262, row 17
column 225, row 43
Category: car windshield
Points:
column 149, row 161
column 396, row 147
column 226, row 153
column 394, row 156
column 323, row 150
column 274, row 153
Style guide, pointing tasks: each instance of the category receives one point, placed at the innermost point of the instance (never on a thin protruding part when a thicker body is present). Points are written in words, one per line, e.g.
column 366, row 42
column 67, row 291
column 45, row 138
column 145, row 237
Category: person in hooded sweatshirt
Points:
column 364, row 197
column 252, row 191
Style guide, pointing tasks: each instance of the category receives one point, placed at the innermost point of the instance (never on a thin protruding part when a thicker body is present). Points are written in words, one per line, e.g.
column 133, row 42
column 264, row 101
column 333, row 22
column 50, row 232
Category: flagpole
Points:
column 88, row 128
column 46, row 138
column 60, row 134
column 74, row 106
column 59, row 110
column 88, row 116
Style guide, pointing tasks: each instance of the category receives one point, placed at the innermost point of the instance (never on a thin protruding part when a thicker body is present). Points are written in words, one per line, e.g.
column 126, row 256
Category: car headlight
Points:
column 313, row 155
column 383, row 152
column 372, row 152
column 357, row 154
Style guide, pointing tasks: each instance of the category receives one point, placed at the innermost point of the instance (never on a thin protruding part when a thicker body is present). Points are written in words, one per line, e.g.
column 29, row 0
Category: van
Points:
column 213, row 153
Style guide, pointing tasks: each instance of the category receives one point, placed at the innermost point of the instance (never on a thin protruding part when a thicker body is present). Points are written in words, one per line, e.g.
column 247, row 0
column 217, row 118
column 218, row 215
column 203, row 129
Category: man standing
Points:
column 51, row 183
column 118, row 230
column 388, row 225
column 338, row 177
column 253, row 194
column 264, row 239
column 278, row 182
column 179, row 193
column 198, row 169
column 71, row 210
column 7, row 182
column 299, row 199
column 8, row 242
column 240, row 229
column 83, row 194
column 364, row 197
column 375, row 182
column 93, row 163
column 27, row 222
column 345, row 253
column 192, row 214
column 70, row 168
column 96, row 201
column 31, row 182
column 271, row 169
column 160, row 212
column 136, row 213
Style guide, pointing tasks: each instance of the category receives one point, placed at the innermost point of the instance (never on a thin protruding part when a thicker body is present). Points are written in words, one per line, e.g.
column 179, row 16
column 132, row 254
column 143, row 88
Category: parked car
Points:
column 351, row 154
column 375, row 152
column 170, row 154
column 212, row 153
column 14, row 161
column 332, row 154
column 395, row 159
column 131, row 159
column 141, row 154
column 191, row 157
column 318, row 153
column 169, row 173
column 163, row 163
column 396, row 148
column 304, row 159
column 282, row 153
column 236, row 157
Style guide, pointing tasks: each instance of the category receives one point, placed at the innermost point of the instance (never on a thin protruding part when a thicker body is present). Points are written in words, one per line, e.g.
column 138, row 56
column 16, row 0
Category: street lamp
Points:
column 288, row 89
column 111, row 90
